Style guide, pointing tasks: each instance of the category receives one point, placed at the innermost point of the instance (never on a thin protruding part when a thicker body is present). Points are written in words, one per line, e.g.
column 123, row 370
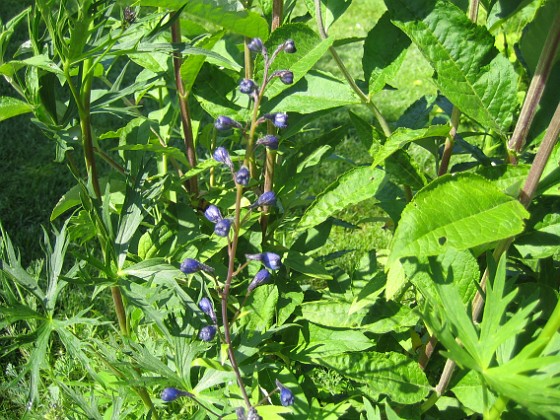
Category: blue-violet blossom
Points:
column 269, row 259
column 279, row 119
column 222, row 155
column 222, row 227
column 262, row 277
column 223, row 123
column 286, row 76
column 190, row 266
column 205, row 305
column 290, row 46
column 247, row 86
column 255, row 45
column 242, row 176
column 213, row 214
column 269, row 141
column 171, row 394
column 266, row 199
column 286, row 396
column 207, row 333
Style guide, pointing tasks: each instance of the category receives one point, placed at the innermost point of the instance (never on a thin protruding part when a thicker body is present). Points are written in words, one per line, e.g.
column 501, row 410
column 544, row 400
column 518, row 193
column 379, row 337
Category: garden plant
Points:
column 307, row 209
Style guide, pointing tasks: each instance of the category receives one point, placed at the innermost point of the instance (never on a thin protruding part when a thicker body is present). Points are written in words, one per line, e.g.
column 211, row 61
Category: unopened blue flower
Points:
column 190, row 266
column 262, row 277
column 223, row 123
column 222, row 227
column 213, row 214
column 171, row 394
column 253, row 414
column 247, row 86
column 290, row 46
column 266, row 199
column 205, row 305
column 269, row 259
column 256, row 45
column 286, row 76
column 207, row 333
column 242, row 176
column 269, row 141
column 222, row 155
column 286, row 396
column 279, row 119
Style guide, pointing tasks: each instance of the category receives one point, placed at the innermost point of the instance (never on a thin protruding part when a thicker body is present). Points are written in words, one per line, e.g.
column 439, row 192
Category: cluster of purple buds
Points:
column 262, row 277
column 171, row 394
column 222, row 226
column 242, row 176
column 205, row 305
column 269, row 141
column 286, row 396
column 279, row 119
column 266, row 199
column 269, row 259
column 190, row 266
column 252, row 415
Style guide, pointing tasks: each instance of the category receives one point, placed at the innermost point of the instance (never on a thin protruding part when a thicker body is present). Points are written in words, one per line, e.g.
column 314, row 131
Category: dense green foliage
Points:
column 288, row 209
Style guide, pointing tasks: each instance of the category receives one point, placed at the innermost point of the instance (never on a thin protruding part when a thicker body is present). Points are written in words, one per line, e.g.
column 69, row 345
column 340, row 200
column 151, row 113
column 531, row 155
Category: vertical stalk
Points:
column 449, row 142
column 225, row 294
column 192, row 183
column 536, row 89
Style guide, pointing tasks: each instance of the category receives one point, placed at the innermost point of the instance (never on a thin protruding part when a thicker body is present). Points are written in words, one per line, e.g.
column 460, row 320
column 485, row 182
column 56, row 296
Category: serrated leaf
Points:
column 392, row 374
column 306, row 265
column 469, row 70
column 317, row 91
column 459, row 212
column 403, row 136
column 382, row 59
column 354, row 186
column 10, row 107
column 228, row 15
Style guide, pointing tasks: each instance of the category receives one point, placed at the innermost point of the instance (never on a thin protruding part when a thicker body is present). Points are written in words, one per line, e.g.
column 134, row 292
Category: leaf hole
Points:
column 442, row 240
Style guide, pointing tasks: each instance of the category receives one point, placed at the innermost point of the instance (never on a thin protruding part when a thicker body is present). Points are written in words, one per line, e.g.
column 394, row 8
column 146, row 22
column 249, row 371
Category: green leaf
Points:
column 543, row 241
column 40, row 61
column 470, row 392
column 226, row 14
column 318, row 341
column 306, row 265
column 469, row 70
column 193, row 63
column 392, row 374
column 459, row 212
column 354, row 186
column 10, row 107
column 382, row 59
column 315, row 92
column 403, row 136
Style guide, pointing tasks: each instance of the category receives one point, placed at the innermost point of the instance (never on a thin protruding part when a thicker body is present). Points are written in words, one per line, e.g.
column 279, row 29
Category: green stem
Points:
column 363, row 97
column 536, row 88
column 449, row 142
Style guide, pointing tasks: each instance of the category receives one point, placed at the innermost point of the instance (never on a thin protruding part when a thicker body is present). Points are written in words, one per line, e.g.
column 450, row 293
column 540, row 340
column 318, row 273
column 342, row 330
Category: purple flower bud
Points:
column 207, row 333
column 213, row 214
column 290, row 46
column 269, row 259
column 253, row 414
column 247, row 86
column 286, row 396
column 190, row 266
column 223, row 123
column 171, row 394
column 205, row 305
column 222, row 155
column 262, row 277
column 279, row 119
column 240, row 413
column 242, row 176
column 222, row 227
column 286, row 76
column 266, row 199
column 269, row 141
column 256, row 45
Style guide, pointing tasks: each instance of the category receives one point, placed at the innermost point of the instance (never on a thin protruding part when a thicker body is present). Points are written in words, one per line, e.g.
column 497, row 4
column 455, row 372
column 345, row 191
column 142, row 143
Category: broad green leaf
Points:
column 392, row 374
column 262, row 308
column 331, row 10
column 354, row 186
column 469, row 70
column 332, row 313
column 460, row 212
column 317, row 91
column 543, row 241
column 403, row 170
column 382, row 59
column 310, row 48
column 193, row 63
column 306, row 265
column 40, row 61
column 403, row 136
column 10, row 107
column 508, row 178
column 318, row 341
column 469, row 391
column 230, row 16
column 155, row 269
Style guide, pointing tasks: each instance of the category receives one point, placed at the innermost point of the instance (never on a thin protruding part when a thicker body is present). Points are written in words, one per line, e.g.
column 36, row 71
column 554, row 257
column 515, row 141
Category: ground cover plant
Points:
column 272, row 215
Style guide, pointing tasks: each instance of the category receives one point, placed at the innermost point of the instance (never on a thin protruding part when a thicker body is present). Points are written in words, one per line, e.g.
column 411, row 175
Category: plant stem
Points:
column 192, row 183
column 277, row 11
column 536, row 88
column 449, row 142
column 363, row 97
column 225, row 294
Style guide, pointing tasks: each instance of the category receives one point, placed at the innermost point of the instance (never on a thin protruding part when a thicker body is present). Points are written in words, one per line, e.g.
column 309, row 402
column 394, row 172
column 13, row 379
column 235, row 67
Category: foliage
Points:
column 200, row 270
